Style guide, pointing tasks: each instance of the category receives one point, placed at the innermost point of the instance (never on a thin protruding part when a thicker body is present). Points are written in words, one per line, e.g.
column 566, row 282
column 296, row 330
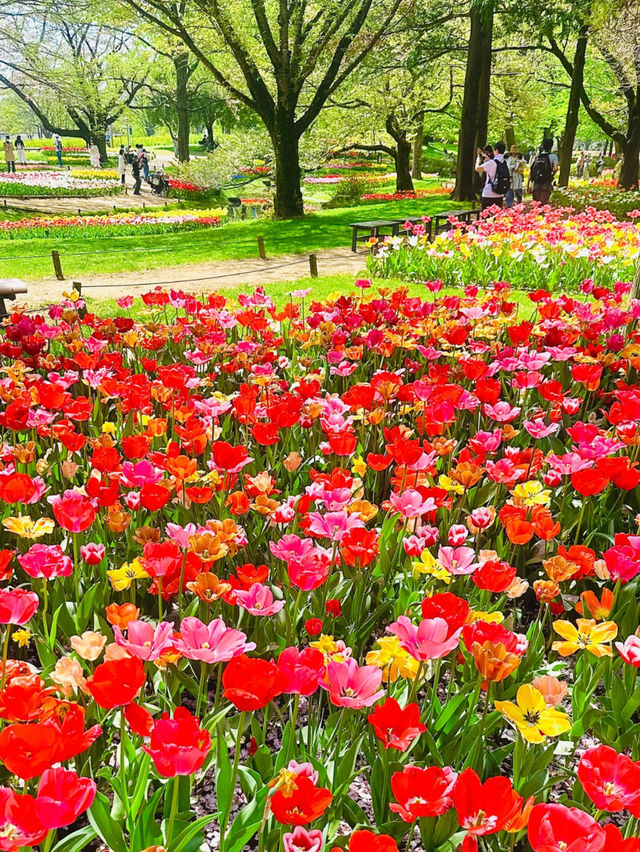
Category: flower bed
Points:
column 57, row 184
column 116, row 224
column 534, row 248
column 601, row 195
column 329, row 560
column 407, row 195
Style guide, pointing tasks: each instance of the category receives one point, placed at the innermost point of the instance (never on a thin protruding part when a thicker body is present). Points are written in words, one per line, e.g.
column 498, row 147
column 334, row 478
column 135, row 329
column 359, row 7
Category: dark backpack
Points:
column 502, row 180
column 541, row 171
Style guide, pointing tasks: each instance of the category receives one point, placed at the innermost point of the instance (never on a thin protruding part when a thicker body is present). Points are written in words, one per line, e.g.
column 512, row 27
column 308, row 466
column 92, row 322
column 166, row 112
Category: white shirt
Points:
column 516, row 169
column 489, row 167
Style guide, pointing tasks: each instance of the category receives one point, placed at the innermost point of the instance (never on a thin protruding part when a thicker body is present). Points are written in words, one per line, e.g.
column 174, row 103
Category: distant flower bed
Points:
column 324, row 179
column 256, row 201
column 408, row 195
column 71, row 150
column 117, row 224
column 255, row 170
column 56, row 184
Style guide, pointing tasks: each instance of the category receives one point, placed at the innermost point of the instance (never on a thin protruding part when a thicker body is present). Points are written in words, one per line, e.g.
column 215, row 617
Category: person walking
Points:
column 586, row 169
column 491, row 163
column 136, row 170
column 9, row 155
column 20, row 150
column 543, row 168
column 515, row 164
column 94, row 156
column 122, row 165
column 57, row 144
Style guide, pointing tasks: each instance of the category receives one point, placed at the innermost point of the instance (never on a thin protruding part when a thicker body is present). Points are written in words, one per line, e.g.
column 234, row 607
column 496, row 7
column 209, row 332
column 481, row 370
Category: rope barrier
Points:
column 191, row 280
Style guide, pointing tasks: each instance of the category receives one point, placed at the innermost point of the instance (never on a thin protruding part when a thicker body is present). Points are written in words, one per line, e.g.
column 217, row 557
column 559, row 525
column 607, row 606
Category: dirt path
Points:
column 199, row 277
column 99, row 204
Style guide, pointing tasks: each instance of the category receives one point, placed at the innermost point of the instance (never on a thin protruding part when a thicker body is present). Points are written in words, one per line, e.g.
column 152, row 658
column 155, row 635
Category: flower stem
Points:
column 174, row 809
column 232, row 783
column 5, row 654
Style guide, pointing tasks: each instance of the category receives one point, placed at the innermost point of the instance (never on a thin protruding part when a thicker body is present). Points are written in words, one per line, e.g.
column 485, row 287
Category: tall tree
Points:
column 475, row 102
column 77, row 77
column 282, row 60
column 620, row 119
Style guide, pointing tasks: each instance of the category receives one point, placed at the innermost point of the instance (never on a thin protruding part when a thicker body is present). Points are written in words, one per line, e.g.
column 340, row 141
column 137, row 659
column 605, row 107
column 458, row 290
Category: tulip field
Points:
column 359, row 574
column 531, row 247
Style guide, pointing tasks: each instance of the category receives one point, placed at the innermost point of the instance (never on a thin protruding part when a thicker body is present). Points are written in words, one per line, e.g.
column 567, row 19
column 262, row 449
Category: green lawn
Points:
column 30, row 259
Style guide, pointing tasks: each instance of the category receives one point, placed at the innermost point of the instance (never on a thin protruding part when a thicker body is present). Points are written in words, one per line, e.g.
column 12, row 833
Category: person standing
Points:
column 94, row 156
column 543, row 168
column 580, row 164
column 122, row 165
column 516, row 172
column 9, row 155
column 136, row 170
column 586, row 169
column 57, row 144
column 492, row 164
column 20, row 150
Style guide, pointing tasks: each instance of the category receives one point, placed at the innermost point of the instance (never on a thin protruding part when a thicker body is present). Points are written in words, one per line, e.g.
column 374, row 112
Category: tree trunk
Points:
column 100, row 138
column 484, row 73
column 573, row 108
column 181, row 65
column 630, row 159
column 287, row 203
column 467, row 135
column 402, row 159
column 418, row 139
column 509, row 137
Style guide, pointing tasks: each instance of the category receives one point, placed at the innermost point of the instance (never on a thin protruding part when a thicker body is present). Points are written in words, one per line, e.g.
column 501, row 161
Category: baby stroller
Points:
column 158, row 183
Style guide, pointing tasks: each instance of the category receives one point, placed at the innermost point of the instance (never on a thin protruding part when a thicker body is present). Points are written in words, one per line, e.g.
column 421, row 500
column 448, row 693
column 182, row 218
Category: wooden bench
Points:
column 436, row 225
column 9, row 289
column 373, row 229
column 440, row 222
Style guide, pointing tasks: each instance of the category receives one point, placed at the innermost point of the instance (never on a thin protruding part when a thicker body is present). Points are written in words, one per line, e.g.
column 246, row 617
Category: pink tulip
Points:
column 258, row 600
column 431, row 640
column 17, row 606
column 211, row 643
column 350, row 685
column 145, row 641
column 46, row 561
column 301, row 840
column 629, row 650
column 410, row 503
column 303, row 670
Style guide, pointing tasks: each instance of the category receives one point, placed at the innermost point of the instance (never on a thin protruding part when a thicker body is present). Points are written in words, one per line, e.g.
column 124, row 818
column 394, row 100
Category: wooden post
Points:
column 313, row 265
column 77, row 285
column 79, row 212
column 57, row 266
column 261, row 249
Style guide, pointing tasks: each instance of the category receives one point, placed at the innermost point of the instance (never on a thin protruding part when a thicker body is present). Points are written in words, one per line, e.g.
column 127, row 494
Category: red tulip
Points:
column 251, row 683
column 178, row 746
column 116, row 682
column 367, row 841
column 395, row 727
column 422, row 792
column 27, row 750
column 18, row 814
column 611, row 780
column 556, row 827
column 484, row 808
column 73, row 511
column 62, row 797
column 305, row 803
